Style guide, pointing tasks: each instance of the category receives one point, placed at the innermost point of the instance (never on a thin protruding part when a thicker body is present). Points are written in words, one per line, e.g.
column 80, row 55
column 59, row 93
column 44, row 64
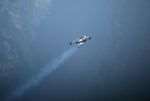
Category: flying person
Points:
column 80, row 41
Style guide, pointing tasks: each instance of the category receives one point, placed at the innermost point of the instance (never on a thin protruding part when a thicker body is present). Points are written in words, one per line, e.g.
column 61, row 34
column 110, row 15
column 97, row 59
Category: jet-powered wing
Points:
column 80, row 41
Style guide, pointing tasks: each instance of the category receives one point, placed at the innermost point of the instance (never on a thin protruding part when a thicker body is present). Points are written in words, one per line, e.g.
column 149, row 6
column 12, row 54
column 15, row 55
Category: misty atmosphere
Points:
column 38, row 64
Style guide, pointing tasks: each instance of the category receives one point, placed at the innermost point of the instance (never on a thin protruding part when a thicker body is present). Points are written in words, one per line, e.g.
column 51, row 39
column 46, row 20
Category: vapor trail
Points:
column 48, row 69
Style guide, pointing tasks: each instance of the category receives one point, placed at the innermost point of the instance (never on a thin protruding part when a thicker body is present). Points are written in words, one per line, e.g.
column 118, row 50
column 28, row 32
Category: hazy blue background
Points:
column 113, row 66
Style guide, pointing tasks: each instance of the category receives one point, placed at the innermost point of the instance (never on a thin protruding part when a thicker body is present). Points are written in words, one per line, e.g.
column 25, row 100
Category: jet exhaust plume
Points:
column 47, row 70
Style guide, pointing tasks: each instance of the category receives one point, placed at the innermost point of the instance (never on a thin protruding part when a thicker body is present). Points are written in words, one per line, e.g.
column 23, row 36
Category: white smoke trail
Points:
column 48, row 69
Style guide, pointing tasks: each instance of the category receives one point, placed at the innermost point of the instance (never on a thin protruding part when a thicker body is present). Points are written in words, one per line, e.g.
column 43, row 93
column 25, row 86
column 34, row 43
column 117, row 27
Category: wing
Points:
column 81, row 43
